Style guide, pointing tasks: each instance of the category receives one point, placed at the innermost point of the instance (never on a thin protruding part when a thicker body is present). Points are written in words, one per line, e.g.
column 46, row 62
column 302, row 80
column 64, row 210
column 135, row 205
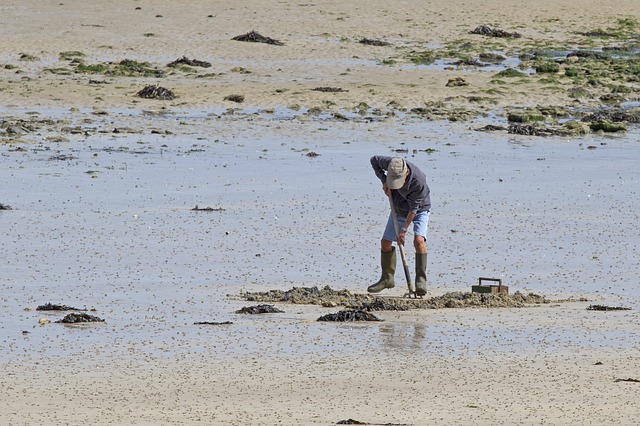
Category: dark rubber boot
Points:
column 388, row 263
column 421, row 274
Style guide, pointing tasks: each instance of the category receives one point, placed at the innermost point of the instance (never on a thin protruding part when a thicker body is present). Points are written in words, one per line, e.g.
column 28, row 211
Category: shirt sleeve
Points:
column 380, row 164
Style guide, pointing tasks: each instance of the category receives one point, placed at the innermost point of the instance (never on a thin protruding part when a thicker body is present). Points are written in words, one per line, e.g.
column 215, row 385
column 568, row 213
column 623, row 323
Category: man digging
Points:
column 406, row 186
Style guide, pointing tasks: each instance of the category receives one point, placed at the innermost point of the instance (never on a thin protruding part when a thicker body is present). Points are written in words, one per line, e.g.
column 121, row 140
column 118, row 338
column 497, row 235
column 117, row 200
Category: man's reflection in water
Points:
column 407, row 336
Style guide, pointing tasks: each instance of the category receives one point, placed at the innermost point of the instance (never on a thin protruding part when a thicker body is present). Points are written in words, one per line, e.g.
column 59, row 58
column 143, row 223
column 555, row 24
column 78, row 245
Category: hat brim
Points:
column 396, row 183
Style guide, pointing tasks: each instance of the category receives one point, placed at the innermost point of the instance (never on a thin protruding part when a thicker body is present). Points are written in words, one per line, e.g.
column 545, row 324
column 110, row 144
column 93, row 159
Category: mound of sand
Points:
column 331, row 298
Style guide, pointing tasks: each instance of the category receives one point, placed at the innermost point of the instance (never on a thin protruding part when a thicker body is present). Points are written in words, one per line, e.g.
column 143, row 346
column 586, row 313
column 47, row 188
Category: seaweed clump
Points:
column 373, row 42
column 207, row 209
column 606, row 308
column 259, row 309
column 156, row 92
column 509, row 73
column 597, row 33
column 131, row 68
column 608, row 127
column 490, row 32
column 350, row 316
column 54, row 307
column 531, row 130
column 76, row 318
column 191, row 62
column 124, row 68
column 234, row 98
column 329, row 89
column 254, row 37
column 491, row 128
column 614, row 115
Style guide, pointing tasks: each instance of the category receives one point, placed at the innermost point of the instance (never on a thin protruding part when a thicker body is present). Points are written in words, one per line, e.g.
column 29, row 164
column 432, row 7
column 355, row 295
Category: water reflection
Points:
column 403, row 336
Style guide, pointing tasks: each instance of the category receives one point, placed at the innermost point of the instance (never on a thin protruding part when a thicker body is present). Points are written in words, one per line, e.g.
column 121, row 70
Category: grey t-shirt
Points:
column 414, row 196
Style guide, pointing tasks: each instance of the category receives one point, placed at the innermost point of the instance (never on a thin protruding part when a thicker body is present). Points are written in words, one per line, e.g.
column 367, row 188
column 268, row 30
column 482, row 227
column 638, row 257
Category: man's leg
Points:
column 387, row 260
column 420, row 230
column 419, row 244
column 388, row 264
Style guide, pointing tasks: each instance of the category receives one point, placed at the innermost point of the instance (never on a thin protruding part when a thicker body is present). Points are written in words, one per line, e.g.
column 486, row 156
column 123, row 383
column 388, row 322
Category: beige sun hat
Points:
column 396, row 173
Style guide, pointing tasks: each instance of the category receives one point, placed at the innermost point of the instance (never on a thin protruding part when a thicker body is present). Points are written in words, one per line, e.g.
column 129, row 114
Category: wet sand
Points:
column 101, row 191
column 124, row 241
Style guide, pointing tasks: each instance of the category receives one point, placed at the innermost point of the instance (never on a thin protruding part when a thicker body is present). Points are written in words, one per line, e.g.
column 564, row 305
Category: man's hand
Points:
column 401, row 236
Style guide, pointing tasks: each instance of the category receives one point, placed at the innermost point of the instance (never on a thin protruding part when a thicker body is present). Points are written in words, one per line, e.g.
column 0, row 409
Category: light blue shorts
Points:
column 420, row 225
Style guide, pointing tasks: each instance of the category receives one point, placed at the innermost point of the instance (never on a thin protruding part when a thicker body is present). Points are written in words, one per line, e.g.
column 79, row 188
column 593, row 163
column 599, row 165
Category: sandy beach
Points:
column 320, row 49
column 100, row 185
